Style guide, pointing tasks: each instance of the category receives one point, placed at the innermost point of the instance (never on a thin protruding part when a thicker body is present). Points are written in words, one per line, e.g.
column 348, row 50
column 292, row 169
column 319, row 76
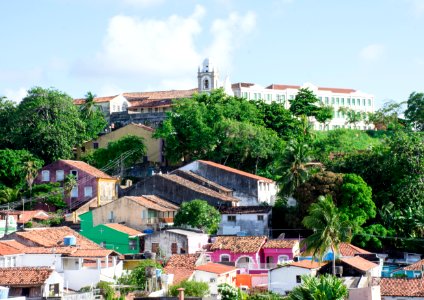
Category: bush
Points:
column 106, row 290
column 191, row 288
column 229, row 292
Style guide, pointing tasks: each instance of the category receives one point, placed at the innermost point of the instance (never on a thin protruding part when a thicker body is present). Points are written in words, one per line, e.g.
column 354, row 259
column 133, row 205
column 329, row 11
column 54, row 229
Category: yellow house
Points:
column 153, row 146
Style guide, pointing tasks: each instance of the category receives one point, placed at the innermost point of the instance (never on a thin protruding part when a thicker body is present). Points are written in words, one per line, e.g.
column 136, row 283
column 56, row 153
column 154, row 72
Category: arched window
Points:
column 206, row 84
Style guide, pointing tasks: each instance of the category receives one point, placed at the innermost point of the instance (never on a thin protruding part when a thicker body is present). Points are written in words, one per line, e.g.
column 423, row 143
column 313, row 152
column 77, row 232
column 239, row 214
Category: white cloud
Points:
column 417, row 6
column 165, row 51
column 372, row 52
column 16, row 95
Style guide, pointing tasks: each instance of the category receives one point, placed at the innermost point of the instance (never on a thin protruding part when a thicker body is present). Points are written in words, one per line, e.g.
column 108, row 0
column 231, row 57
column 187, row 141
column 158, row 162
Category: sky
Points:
column 113, row 46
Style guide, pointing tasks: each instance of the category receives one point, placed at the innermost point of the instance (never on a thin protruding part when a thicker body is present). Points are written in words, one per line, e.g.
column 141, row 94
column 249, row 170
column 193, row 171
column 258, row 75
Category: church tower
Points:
column 208, row 77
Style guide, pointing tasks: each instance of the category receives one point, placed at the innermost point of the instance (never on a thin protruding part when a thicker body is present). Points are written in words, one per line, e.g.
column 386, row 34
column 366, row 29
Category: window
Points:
column 118, row 108
column 212, row 280
column 174, row 248
column 337, row 101
column 88, row 191
column 75, row 173
column 231, row 218
column 291, row 97
column 150, row 109
column 260, row 217
column 45, row 175
column 206, row 84
column 259, row 96
column 156, row 109
column 132, row 244
column 342, row 101
column 269, row 97
column 369, row 102
column 60, row 175
column 111, row 217
column 348, row 101
column 282, row 259
column 326, row 100
column 207, row 258
column 155, row 247
column 363, row 102
column 332, row 100
column 113, row 108
column 74, row 192
column 224, row 258
column 298, row 279
column 95, row 145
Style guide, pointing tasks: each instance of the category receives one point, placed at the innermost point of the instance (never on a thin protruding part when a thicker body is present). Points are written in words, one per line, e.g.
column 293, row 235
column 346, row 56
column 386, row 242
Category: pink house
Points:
column 91, row 182
column 279, row 251
column 244, row 251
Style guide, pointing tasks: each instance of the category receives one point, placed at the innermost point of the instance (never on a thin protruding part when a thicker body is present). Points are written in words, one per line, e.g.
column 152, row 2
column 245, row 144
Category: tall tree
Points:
column 31, row 168
column 415, row 110
column 48, row 124
column 387, row 117
column 329, row 230
column 304, row 103
column 7, row 111
column 198, row 214
column 324, row 115
column 93, row 118
column 352, row 116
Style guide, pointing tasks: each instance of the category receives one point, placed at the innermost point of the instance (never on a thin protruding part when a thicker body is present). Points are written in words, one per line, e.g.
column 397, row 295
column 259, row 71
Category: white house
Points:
column 283, row 279
column 175, row 241
column 249, row 220
column 215, row 274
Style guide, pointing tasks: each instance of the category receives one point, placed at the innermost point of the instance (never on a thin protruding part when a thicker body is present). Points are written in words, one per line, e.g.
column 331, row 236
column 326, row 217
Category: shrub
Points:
column 191, row 288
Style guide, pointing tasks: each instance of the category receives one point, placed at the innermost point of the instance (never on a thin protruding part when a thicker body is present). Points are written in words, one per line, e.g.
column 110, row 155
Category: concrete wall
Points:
column 276, row 252
column 244, row 222
column 284, row 279
column 54, row 278
column 171, row 191
column 367, row 293
column 42, row 260
column 214, row 280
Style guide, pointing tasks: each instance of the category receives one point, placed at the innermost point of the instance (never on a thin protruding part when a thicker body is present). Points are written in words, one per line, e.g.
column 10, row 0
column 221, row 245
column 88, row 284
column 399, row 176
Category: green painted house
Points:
column 114, row 236
column 10, row 227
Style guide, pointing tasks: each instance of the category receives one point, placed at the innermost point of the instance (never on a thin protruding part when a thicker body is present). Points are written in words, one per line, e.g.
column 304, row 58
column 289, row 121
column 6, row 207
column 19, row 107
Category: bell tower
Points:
column 207, row 77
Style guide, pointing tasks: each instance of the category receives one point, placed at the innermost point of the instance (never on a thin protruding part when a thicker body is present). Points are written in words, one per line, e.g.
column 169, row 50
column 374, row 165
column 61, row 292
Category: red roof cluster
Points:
column 27, row 215
column 80, row 165
column 24, row 276
column 182, row 266
column 418, row 266
column 347, row 249
column 279, row 244
column 215, row 268
column 80, row 101
column 125, row 229
column 238, row 244
column 359, row 263
column 308, row 264
column 402, row 287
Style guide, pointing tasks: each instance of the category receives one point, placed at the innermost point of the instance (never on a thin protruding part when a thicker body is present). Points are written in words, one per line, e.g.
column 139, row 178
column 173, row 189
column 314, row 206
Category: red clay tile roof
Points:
column 27, row 215
column 182, row 266
column 153, row 99
column 402, row 287
column 80, row 101
column 347, row 249
column 6, row 249
column 197, row 187
column 92, row 253
column 418, row 266
column 337, row 90
column 14, row 244
column 87, row 168
column 280, row 244
column 215, row 268
column 238, row 244
column 125, row 229
column 153, row 202
column 143, row 126
column 149, row 103
column 236, row 171
column 245, row 210
column 308, row 264
column 359, row 263
column 53, row 237
column 241, row 84
column 283, row 87
column 24, row 276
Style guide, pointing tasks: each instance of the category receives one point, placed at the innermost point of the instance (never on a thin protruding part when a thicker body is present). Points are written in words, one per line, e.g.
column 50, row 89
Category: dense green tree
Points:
column 137, row 278
column 50, row 193
column 352, row 116
column 330, row 230
column 415, row 110
column 8, row 195
column 191, row 288
column 15, row 166
column 304, row 103
column 92, row 116
column 324, row 115
column 387, row 117
column 124, row 153
column 325, row 287
column 7, row 110
column 48, row 124
column 198, row 214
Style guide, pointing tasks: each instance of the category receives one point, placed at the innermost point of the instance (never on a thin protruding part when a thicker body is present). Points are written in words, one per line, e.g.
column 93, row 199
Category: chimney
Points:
column 180, row 293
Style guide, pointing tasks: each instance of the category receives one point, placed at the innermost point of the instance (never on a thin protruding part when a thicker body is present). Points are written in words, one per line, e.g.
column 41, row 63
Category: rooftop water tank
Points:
column 70, row 240
column 148, row 231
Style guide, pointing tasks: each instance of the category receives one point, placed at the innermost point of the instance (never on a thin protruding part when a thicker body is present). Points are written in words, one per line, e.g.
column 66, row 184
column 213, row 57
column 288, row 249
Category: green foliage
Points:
column 329, row 229
column 305, row 103
column 8, row 195
column 192, row 288
column 229, row 292
column 265, row 296
column 106, row 290
column 415, row 110
column 130, row 148
column 48, row 124
column 356, row 202
column 13, row 166
column 319, row 288
column 137, row 277
column 50, row 193
column 324, row 114
column 7, row 109
column 28, row 224
column 352, row 116
column 387, row 117
column 370, row 237
column 198, row 214
column 92, row 116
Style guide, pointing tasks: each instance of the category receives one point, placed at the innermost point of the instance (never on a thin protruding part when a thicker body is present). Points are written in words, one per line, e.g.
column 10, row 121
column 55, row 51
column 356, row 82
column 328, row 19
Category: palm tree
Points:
column 8, row 195
column 329, row 230
column 88, row 107
column 319, row 288
column 68, row 185
column 31, row 171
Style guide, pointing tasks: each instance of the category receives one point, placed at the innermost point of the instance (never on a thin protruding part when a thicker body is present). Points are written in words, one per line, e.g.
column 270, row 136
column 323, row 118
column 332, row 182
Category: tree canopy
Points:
column 304, row 103
column 198, row 214
column 415, row 110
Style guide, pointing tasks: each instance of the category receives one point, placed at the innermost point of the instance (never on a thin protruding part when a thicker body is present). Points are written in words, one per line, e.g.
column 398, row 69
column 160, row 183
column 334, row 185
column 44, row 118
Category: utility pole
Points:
column 122, row 167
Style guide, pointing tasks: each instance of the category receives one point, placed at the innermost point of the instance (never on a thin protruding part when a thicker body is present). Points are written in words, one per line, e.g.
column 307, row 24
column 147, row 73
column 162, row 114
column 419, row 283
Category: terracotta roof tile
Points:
column 24, row 276
column 14, row 244
column 87, row 168
column 238, row 244
column 245, row 209
column 215, row 268
column 241, row 84
column 6, row 249
column 308, row 264
column 125, row 229
column 27, row 215
column 283, row 87
column 182, row 266
column 236, row 171
column 157, row 98
column 359, row 263
column 347, row 249
column 53, row 237
column 153, row 202
column 144, row 127
column 337, row 90
column 280, row 244
column 80, row 101
column 418, row 266
column 92, row 253
column 197, row 187
column 402, row 287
